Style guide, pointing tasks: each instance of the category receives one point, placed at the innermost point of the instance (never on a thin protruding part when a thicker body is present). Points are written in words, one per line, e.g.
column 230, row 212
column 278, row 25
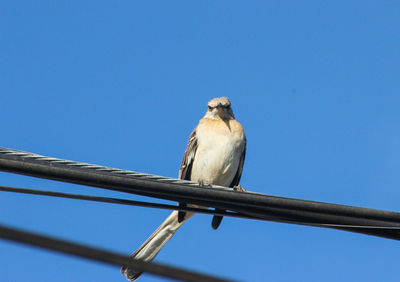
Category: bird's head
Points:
column 219, row 108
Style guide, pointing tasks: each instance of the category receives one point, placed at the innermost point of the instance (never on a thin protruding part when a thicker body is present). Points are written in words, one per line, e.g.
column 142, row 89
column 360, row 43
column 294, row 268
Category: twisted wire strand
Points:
column 130, row 173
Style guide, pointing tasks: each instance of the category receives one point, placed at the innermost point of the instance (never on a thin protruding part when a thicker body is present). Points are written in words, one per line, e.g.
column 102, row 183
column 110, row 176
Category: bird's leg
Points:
column 239, row 188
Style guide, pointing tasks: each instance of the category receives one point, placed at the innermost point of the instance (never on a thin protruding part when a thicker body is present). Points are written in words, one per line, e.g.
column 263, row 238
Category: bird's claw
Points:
column 202, row 184
column 239, row 188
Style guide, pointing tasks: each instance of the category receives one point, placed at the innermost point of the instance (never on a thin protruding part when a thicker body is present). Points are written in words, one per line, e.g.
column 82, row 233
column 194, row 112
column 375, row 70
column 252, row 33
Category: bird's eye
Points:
column 209, row 108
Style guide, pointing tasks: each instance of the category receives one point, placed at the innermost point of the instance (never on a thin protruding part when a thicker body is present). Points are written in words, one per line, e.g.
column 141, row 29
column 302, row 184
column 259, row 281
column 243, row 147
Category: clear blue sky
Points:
column 123, row 83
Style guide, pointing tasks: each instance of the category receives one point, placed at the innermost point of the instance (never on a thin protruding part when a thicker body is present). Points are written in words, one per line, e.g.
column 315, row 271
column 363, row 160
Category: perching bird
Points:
column 214, row 155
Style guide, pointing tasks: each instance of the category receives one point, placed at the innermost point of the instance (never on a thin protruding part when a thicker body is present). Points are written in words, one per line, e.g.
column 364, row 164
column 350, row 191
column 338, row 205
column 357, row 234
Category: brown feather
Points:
column 188, row 157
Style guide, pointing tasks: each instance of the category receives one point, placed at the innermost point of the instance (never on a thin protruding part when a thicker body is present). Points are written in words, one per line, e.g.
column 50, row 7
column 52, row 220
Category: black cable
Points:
column 120, row 201
column 367, row 221
column 102, row 255
column 169, row 207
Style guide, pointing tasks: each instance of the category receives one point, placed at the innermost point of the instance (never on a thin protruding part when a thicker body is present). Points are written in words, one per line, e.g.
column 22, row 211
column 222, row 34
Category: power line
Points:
column 362, row 220
column 119, row 201
column 100, row 255
column 166, row 206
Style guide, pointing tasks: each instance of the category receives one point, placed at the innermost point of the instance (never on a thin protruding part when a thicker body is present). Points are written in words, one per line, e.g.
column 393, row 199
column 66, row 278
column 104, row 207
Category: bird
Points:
column 215, row 154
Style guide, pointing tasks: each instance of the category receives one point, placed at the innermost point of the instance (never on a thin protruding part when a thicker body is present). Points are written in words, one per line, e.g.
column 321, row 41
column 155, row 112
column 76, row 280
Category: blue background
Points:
column 123, row 83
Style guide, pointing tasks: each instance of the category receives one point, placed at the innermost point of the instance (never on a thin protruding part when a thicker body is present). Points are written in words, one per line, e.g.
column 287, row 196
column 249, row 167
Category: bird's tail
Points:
column 149, row 249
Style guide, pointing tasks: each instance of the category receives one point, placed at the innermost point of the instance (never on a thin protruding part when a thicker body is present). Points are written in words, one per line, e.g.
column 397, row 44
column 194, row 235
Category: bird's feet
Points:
column 239, row 188
column 202, row 184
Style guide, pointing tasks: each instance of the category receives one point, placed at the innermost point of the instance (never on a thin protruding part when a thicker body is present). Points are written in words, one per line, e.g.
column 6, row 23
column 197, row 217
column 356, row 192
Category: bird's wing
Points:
column 238, row 174
column 185, row 170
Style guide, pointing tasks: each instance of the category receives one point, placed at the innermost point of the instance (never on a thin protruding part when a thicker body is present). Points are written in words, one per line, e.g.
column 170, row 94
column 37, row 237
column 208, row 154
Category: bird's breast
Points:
column 220, row 146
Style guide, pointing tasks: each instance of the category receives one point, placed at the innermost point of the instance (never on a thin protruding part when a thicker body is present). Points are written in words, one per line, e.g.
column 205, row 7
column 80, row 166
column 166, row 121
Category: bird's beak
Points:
column 220, row 111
